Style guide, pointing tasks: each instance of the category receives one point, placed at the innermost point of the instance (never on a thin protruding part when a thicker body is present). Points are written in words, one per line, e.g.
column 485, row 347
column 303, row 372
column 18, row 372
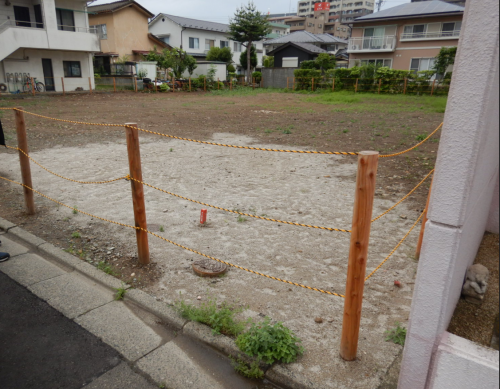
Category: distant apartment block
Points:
column 343, row 11
column 405, row 37
column 455, row 2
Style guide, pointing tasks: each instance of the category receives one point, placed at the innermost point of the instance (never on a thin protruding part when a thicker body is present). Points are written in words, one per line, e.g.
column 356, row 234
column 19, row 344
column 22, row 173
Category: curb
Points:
column 278, row 374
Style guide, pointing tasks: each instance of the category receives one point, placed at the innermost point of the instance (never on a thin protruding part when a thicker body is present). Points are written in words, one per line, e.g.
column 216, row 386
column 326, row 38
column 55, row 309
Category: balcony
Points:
column 372, row 44
column 438, row 35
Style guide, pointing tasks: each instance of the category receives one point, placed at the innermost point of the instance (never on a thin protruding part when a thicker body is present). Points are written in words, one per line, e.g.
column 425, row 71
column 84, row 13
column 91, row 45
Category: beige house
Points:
column 122, row 27
column 405, row 37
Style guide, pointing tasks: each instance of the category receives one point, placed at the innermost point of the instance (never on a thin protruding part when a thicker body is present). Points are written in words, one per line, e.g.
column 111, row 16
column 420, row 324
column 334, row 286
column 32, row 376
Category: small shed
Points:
column 292, row 54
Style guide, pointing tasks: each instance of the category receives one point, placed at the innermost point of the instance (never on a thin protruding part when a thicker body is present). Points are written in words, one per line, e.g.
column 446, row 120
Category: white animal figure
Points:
column 476, row 282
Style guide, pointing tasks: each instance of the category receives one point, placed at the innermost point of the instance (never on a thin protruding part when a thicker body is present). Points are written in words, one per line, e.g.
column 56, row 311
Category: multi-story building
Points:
column 49, row 39
column 343, row 11
column 456, row 2
column 405, row 37
column 278, row 30
column 122, row 28
column 197, row 37
column 325, row 42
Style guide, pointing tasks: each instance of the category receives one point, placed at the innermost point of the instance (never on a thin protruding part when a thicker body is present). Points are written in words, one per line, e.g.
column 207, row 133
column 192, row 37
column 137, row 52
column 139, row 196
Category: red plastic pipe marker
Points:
column 203, row 216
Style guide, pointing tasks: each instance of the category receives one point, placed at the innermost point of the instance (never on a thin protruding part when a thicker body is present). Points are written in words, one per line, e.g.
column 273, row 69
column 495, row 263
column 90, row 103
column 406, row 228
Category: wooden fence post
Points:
column 293, row 84
column 134, row 160
column 312, row 84
column 64, row 90
column 114, row 84
column 136, row 86
column 190, row 84
column 356, row 88
column 90, row 85
column 424, row 220
column 231, row 84
column 333, row 85
column 433, row 85
column 360, row 236
column 262, row 82
column 22, row 143
column 287, row 82
column 173, row 83
column 404, row 91
column 205, row 84
column 253, row 83
column 379, row 85
column 156, row 85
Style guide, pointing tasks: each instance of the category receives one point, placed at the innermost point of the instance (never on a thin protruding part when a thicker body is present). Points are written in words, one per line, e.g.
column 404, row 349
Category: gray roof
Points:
column 115, row 6
column 421, row 8
column 305, row 37
column 194, row 23
column 309, row 47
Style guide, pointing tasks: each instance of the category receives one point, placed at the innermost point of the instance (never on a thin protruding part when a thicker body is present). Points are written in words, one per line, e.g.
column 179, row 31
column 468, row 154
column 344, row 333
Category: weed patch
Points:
column 396, row 335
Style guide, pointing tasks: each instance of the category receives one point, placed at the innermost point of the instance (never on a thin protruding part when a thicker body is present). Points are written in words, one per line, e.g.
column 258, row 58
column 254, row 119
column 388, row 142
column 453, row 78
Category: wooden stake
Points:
column 190, row 84
column 253, row 83
column 33, row 86
column 433, row 85
column 205, row 84
column 64, row 90
column 293, row 84
column 379, row 85
column 333, row 85
column 173, row 83
column 287, row 82
column 22, row 143
column 356, row 89
column 231, row 84
column 424, row 220
column 360, row 236
column 406, row 80
column 136, row 86
column 156, row 85
column 90, row 85
column 114, row 84
column 312, row 84
column 262, row 82
column 134, row 160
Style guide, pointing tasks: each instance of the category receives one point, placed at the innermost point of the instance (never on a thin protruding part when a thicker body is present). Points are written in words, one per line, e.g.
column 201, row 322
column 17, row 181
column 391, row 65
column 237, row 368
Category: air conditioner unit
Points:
column 385, row 47
column 354, row 47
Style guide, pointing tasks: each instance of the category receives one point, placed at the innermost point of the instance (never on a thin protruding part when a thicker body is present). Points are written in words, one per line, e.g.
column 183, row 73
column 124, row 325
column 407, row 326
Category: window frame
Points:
column 430, row 59
column 207, row 43
column 59, row 17
column 223, row 44
column 99, row 31
column 195, row 41
column 68, row 65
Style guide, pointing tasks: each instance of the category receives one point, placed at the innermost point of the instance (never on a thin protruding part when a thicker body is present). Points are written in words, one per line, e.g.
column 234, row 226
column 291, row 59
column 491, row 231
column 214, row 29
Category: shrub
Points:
column 231, row 69
column 309, row 65
column 304, row 78
column 270, row 343
column 257, row 76
column 164, row 88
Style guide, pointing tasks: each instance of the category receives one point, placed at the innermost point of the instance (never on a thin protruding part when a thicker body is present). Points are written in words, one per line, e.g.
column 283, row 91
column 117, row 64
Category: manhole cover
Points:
column 209, row 268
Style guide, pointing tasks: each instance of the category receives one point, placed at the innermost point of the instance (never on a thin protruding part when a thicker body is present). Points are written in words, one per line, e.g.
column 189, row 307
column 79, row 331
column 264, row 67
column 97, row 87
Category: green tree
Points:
column 325, row 62
column 445, row 58
column 176, row 59
column 231, row 68
column 191, row 64
column 248, row 26
column 220, row 55
column 253, row 59
column 268, row 62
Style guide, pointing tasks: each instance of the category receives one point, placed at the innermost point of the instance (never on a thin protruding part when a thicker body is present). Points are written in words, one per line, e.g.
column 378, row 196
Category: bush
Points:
column 304, row 78
column 164, row 88
column 270, row 343
column 231, row 69
column 257, row 76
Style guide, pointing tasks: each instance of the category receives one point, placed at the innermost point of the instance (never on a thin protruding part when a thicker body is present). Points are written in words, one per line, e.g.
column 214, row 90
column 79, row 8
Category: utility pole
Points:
column 379, row 4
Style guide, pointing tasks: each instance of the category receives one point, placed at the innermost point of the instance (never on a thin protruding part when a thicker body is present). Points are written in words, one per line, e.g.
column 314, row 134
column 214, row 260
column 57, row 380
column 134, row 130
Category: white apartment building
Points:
column 47, row 39
column 196, row 37
column 341, row 10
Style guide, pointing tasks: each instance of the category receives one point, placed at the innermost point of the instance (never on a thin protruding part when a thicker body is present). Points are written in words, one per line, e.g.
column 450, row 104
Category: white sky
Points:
column 221, row 10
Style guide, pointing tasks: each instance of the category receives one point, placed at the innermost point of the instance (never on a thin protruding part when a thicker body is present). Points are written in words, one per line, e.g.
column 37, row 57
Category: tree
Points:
column 231, row 68
column 268, row 62
column 445, row 58
column 176, row 59
column 325, row 62
column 220, row 55
column 191, row 64
column 248, row 26
column 253, row 59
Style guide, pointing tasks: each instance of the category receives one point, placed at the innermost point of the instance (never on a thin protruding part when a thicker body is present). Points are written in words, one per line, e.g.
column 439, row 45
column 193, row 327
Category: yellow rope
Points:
column 395, row 248
column 414, row 147
column 176, row 244
column 236, row 212
column 66, row 178
column 404, row 198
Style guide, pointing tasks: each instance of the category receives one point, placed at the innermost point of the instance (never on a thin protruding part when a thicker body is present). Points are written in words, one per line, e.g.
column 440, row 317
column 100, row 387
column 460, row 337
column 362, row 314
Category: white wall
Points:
column 456, row 358
column 203, row 69
column 462, row 193
column 15, row 64
column 149, row 67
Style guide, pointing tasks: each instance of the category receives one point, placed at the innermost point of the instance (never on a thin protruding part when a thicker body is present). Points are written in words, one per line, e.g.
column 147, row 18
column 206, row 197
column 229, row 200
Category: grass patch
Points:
column 253, row 371
column 106, row 268
column 75, row 210
column 76, row 235
column 396, row 335
column 120, row 293
column 222, row 320
column 241, row 219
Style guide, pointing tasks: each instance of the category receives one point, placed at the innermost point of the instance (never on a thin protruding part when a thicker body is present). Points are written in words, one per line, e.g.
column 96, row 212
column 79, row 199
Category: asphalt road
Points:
column 40, row 348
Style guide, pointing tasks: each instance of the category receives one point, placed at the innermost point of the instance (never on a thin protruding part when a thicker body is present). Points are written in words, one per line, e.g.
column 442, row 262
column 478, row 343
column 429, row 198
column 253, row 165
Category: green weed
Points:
column 162, row 229
column 253, row 371
column 75, row 210
column 120, row 293
column 106, row 268
column 421, row 137
column 241, row 219
column 222, row 320
column 396, row 335
column 76, row 235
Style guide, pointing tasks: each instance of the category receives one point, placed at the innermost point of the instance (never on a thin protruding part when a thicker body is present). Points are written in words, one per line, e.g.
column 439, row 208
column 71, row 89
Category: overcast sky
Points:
column 221, row 10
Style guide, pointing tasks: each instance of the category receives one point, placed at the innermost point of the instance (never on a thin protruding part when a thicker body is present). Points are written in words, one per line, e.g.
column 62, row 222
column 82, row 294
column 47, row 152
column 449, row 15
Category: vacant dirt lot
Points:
column 312, row 189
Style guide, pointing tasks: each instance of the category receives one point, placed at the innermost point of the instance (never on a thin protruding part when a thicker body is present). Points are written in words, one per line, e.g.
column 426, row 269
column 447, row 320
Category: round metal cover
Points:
column 209, row 268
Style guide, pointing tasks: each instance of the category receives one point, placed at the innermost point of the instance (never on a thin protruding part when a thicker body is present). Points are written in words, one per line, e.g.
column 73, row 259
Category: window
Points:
column 166, row 39
column 209, row 43
column 72, row 69
column 417, row 31
column 100, row 30
column 432, row 30
column 451, row 29
column 194, row 43
column 331, row 48
column 237, row 47
column 224, row 44
column 65, row 20
column 377, row 62
column 420, row 64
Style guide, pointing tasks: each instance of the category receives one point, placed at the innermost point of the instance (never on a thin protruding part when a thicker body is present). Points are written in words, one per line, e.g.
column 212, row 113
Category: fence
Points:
column 370, row 85
column 361, row 222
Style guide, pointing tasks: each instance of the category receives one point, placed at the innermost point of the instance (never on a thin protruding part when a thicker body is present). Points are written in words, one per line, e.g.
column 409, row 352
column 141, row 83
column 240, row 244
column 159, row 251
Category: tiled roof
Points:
column 194, row 23
column 279, row 25
column 420, row 8
column 115, row 6
column 305, row 37
column 309, row 47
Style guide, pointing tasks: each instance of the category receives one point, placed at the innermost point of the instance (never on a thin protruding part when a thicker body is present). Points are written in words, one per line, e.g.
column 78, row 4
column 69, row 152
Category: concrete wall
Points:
column 462, row 194
column 276, row 77
column 456, row 358
column 203, row 68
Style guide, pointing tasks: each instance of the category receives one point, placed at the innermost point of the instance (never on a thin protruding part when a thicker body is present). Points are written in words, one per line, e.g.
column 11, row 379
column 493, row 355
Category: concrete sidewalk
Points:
column 153, row 342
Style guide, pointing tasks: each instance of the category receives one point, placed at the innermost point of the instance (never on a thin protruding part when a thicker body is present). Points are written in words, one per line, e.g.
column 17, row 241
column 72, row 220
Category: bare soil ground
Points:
column 312, row 189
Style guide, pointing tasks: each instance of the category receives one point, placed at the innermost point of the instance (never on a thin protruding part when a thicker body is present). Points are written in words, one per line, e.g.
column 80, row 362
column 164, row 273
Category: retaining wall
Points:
column 276, row 77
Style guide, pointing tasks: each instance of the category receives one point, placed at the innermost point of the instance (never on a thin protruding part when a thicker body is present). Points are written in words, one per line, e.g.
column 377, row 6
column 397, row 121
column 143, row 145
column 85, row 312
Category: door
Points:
column 48, row 75
column 38, row 16
column 374, row 38
column 22, row 16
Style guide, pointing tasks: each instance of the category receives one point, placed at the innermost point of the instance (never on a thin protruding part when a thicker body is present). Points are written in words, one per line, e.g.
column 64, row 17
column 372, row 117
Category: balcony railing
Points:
column 91, row 30
column 380, row 44
column 17, row 23
column 430, row 35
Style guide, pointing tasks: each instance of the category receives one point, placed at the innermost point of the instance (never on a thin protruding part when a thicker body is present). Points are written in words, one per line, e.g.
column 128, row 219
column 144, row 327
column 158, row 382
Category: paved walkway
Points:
column 60, row 327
